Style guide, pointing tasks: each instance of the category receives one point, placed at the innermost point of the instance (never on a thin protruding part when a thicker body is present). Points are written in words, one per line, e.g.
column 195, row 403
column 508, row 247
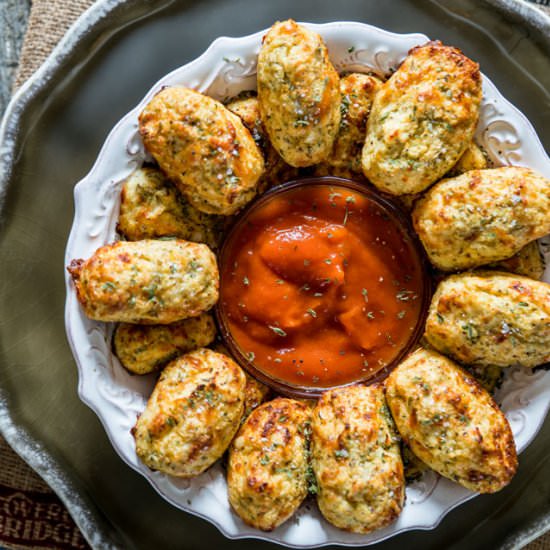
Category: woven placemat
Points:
column 31, row 516
column 48, row 22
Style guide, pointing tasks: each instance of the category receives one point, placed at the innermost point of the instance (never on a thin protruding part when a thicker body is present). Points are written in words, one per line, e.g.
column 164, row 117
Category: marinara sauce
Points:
column 321, row 285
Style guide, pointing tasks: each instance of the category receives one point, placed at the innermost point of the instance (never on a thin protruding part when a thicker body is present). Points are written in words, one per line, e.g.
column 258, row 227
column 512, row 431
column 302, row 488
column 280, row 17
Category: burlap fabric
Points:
column 31, row 516
column 48, row 21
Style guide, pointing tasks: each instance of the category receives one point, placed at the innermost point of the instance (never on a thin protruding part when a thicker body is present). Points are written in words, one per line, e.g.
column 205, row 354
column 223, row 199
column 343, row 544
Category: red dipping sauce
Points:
column 321, row 285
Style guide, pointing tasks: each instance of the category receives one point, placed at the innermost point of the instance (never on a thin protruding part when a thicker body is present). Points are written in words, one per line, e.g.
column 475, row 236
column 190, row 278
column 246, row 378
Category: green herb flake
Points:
column 470, row 332
column 405, row 295
column 312, row 487
column 401, row 314
column 278, row 331
column 246, row 280
column 151, row 291
column 341, row 453
column 312, row 312
column 346, row 214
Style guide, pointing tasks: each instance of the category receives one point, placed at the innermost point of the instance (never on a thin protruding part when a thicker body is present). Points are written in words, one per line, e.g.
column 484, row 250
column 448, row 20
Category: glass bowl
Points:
column 243, row 226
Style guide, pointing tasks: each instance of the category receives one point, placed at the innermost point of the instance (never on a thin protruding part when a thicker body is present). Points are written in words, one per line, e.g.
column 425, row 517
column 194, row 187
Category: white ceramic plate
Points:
column 225, row 69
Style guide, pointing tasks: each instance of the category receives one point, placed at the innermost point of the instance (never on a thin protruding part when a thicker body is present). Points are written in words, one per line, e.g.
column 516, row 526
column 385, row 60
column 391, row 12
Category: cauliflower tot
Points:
column 491, row 318
column 268, row 463
column 142, row 349
column 422, row 119
column 451, row 423
column 149, row 282
column 203, row 148
column 192, row 414
column 151, row 207
column 356, row 459
column 299, row 94
column 482, row 216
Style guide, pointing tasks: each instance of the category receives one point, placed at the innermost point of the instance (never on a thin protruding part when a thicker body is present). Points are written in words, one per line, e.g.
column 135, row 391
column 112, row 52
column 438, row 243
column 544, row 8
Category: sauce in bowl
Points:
column 321, row 285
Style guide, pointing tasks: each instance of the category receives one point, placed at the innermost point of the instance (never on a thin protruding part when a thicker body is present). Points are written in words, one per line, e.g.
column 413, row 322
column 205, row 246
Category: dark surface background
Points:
column 63, row 130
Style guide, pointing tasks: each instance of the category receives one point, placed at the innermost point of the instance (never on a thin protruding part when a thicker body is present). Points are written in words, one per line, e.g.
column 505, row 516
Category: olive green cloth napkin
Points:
column 31, row 516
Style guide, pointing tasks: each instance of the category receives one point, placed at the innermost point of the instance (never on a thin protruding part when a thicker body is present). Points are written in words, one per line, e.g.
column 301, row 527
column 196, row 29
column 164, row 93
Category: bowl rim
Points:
column 402, row 224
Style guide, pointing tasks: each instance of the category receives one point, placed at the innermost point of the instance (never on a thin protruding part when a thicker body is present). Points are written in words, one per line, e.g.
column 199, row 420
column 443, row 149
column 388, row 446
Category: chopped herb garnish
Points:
column 109, row 286
column 470, row 332
column 312, row 488
column 405, row 295
column 365, row 294
column 351, row 49
column 401, row 314
column 312, row 312
column 151, row 291
column 341, row 453
column 440, row 318
column 246, row 281
column 278, row 331
column 251, row 356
